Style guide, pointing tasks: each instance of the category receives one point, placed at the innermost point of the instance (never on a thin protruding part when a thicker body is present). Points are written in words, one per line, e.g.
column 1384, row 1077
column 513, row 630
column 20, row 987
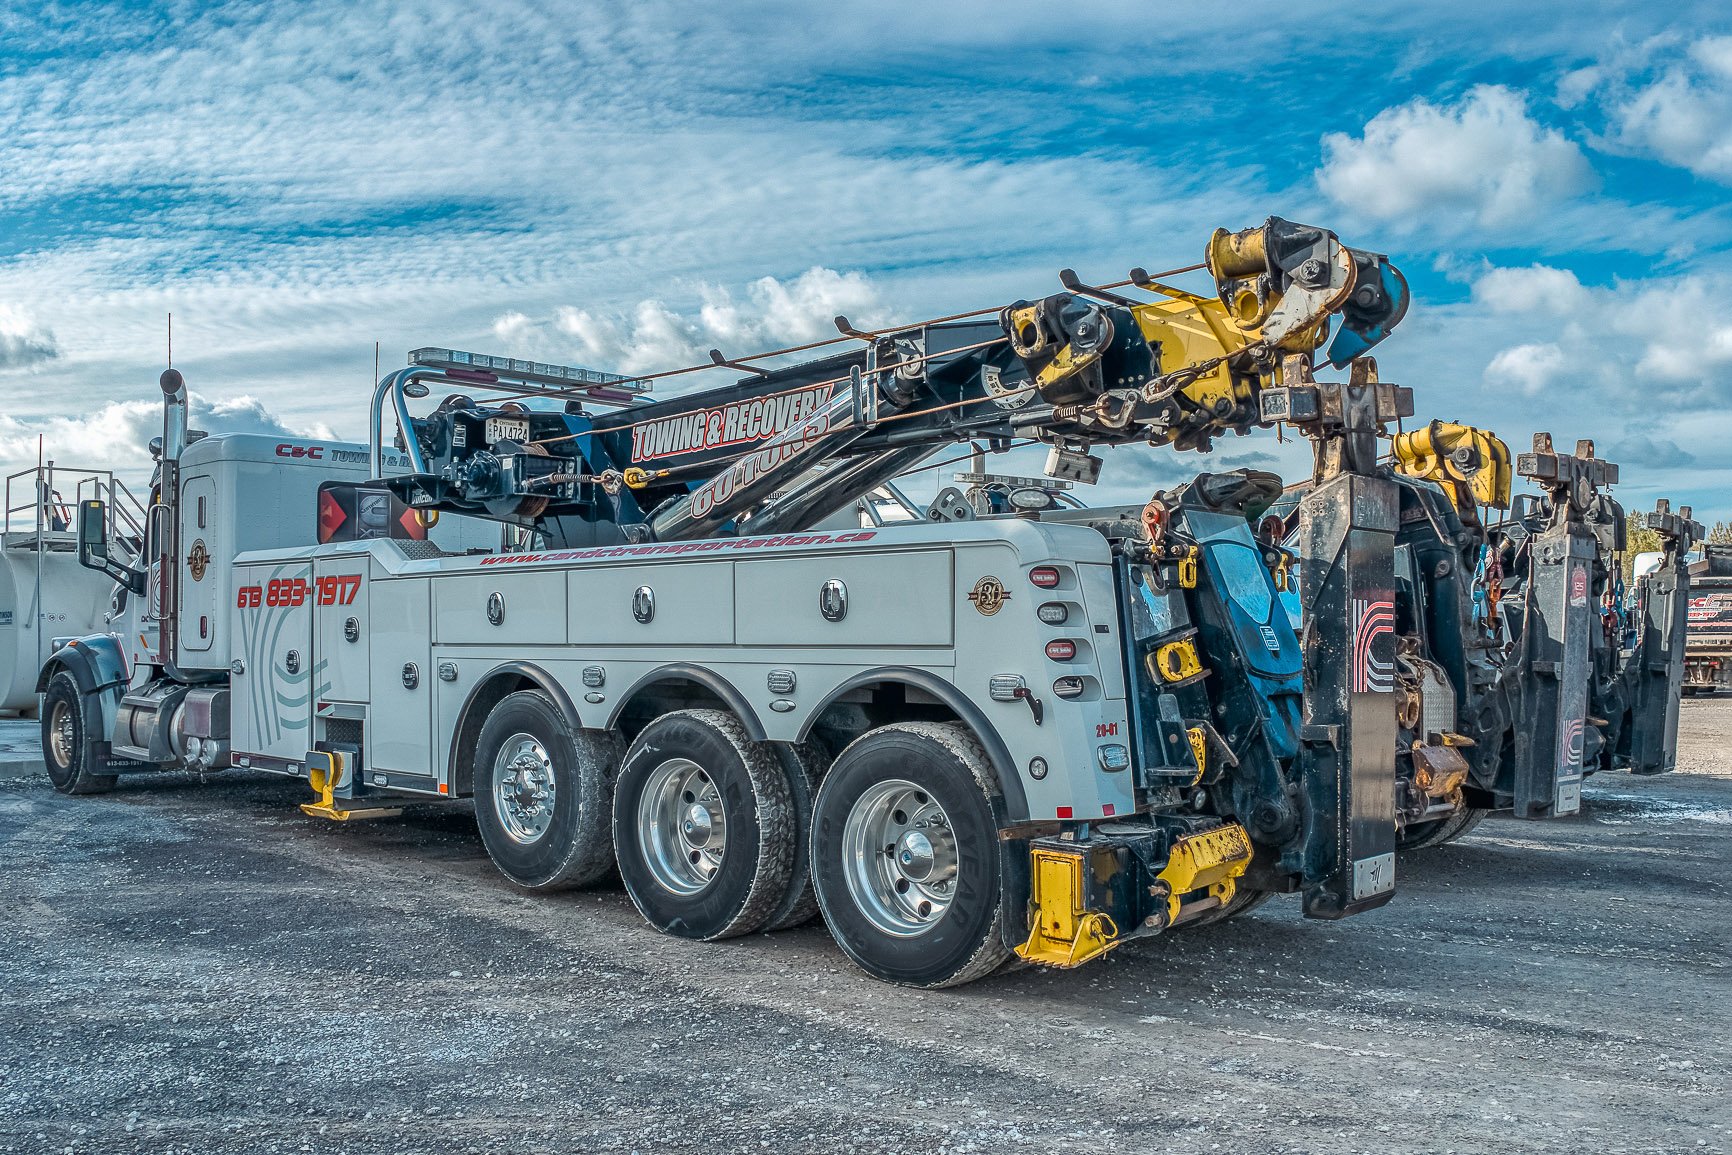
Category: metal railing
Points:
column 39, row 520
column 126, row 514
column 37, row 511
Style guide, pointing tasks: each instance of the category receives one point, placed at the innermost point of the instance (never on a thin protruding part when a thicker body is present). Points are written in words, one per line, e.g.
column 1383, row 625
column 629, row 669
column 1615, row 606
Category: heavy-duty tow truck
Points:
column 1523, row 664
column 1008, row 728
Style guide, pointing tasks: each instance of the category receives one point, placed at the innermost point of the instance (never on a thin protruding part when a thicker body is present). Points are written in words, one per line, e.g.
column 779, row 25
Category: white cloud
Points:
column 1536, row 288
column 1635, row 340
column 1482, row 161
column 24, row 344
column 1668, row 98
column 805, row 309
column 1682, row 114
column 775, row 314
column 511, row 328
column 116, row 436
column 1529, row 368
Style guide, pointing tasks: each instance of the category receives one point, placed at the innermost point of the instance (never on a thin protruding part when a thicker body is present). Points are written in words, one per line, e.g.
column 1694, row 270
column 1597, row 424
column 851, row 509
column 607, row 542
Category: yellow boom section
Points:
column 1472, row 465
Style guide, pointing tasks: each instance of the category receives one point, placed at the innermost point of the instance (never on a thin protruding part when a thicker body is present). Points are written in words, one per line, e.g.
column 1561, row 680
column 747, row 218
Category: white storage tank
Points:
column 44, row 592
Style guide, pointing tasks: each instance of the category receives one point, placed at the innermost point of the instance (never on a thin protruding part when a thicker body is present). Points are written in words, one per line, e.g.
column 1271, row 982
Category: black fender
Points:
column 473, row 713
column 95, row 663
column 713, row 682
column 1014, row 799
column 98, row 666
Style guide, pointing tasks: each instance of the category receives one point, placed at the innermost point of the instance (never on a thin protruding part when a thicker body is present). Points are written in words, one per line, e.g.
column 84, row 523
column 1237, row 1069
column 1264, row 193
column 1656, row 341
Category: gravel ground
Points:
column 197, row 967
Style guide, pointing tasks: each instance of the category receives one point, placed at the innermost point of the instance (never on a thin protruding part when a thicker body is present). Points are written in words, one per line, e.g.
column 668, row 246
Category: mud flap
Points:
column 1659, row 681
column 1551, row 737
column 1347, row 540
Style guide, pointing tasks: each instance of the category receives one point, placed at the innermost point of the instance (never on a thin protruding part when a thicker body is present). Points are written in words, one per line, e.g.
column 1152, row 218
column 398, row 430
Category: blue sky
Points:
column 623, row 185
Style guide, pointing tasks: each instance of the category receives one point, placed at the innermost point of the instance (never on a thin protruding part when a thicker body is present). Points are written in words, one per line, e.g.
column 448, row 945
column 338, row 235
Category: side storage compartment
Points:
column 399, row 735
column 859, row 600
column 501, row 607
column 275, row 681
column 653, row 605
column 340, row 591
column 202, row 570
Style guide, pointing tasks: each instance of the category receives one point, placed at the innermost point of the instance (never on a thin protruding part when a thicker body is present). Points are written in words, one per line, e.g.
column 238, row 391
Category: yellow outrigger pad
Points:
column 1209, row 861
column 1064, row 934
column 324, row 770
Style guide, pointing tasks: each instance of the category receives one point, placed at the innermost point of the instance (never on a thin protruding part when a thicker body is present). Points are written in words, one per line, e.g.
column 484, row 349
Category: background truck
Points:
column 1524, row 664
column 1035, row 730
column 1708, row 640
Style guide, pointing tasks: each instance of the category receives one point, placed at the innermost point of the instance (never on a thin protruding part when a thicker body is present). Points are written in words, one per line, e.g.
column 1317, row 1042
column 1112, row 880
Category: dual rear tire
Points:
column 705, row 827
column 1441, row 831
column 716, row 835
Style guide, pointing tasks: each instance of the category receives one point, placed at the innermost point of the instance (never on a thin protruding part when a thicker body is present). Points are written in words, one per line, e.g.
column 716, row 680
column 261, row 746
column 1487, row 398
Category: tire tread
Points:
column 773, row 808
column 957, row 741
column 1447, row 830
column 84, row 778
column 805, row 763
column 588, row 855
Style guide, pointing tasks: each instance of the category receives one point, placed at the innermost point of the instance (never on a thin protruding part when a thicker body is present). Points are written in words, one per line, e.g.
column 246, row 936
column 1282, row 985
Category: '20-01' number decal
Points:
column 335, row 590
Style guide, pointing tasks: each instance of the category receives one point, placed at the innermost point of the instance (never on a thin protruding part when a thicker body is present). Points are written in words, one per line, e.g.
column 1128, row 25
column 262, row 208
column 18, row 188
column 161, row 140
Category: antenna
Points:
column 171, row 340
column 375, row 362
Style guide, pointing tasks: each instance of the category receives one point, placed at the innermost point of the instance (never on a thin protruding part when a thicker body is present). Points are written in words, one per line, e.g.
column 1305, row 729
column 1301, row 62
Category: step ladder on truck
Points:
column 1013, row 728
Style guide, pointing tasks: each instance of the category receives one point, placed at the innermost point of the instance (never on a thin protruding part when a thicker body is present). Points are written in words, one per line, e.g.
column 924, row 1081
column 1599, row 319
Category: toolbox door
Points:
column 201, row 565
column 340, row 594
column 400, row 718
column 275, row 677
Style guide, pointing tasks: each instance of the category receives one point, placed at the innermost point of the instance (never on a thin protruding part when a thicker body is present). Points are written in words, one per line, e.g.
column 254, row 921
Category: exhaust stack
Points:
column 167, row 512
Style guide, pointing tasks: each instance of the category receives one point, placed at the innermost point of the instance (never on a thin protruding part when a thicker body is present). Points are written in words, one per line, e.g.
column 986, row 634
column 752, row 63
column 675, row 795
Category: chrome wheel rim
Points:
column 61, row 736
column 682, row 826
column 524, row 787
column 901, row 859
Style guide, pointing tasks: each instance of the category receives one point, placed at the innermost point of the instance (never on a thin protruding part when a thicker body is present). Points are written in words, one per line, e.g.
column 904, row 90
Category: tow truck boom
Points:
column 784, row 446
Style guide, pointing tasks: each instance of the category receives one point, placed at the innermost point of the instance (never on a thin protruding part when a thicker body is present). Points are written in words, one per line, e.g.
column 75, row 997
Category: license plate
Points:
column 500, row 429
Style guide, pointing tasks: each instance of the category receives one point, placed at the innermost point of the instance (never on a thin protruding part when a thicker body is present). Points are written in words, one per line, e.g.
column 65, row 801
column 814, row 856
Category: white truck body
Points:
column 918, row 608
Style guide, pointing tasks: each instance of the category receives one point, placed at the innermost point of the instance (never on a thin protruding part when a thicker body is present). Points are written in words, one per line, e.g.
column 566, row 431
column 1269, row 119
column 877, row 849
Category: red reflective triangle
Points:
column 331, row 516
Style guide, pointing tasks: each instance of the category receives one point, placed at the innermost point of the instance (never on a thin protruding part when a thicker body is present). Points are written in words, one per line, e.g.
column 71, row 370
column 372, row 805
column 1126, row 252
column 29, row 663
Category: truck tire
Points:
column 70, row 733
column 544, row 794
column 905, row 856
column 703, row 825
column 805, row 764
column 1441, row 832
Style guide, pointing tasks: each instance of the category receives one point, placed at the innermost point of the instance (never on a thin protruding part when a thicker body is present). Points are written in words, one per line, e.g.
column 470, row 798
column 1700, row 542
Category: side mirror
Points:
column 93, row 535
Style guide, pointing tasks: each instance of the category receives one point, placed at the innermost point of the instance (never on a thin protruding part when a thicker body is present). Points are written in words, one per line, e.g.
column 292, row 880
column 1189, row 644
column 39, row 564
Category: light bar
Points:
column 591, row 381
